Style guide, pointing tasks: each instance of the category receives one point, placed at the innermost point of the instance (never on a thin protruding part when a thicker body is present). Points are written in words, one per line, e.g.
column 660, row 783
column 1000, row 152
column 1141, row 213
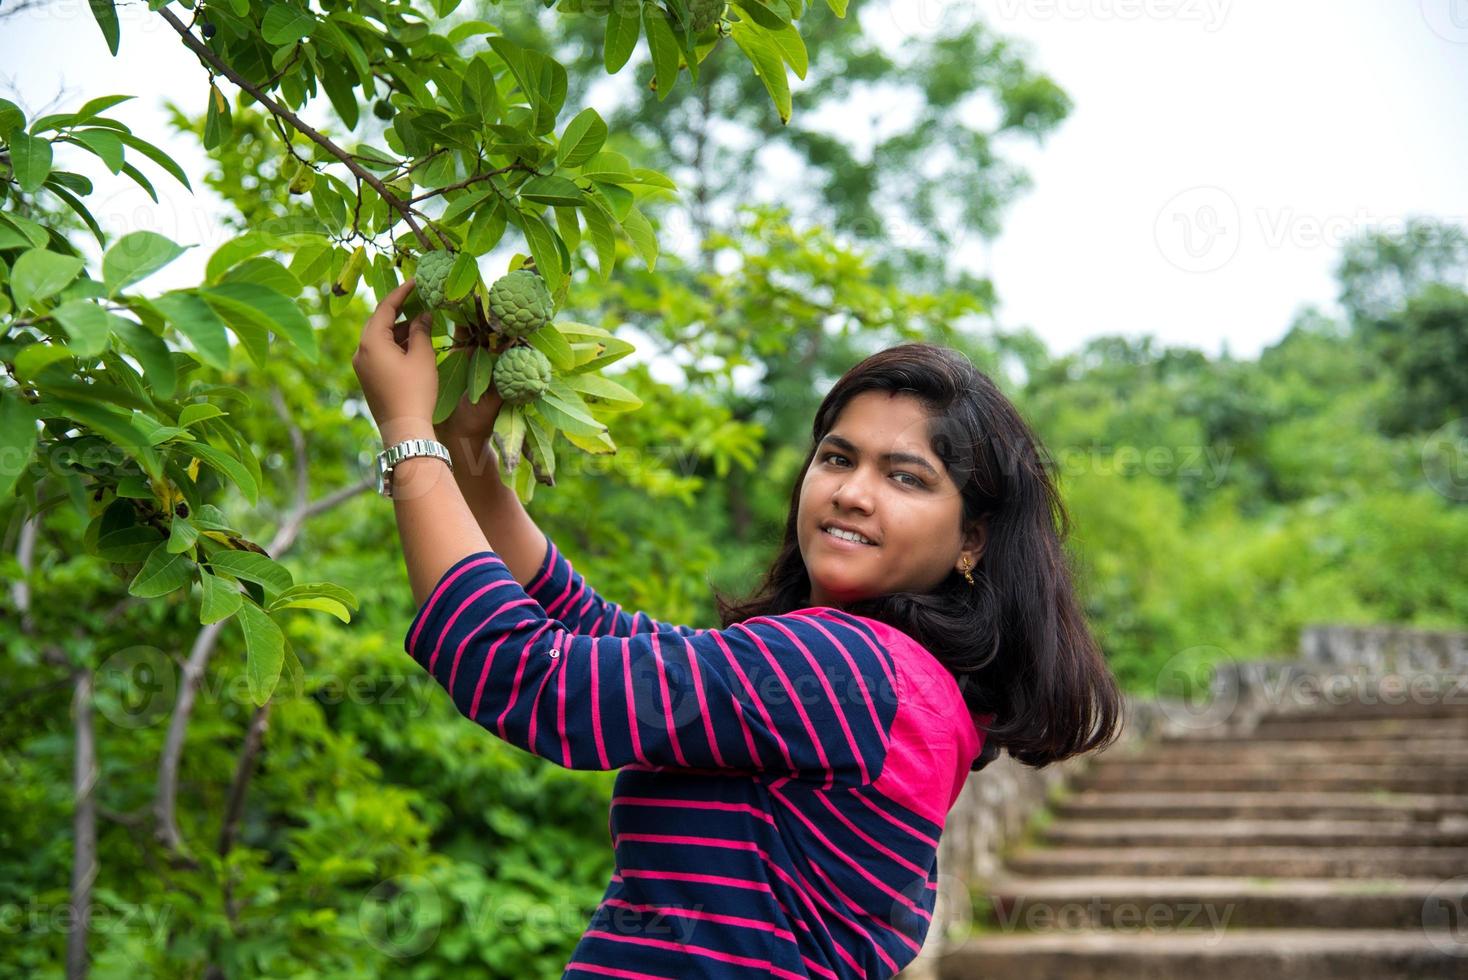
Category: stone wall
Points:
column 1335, row 663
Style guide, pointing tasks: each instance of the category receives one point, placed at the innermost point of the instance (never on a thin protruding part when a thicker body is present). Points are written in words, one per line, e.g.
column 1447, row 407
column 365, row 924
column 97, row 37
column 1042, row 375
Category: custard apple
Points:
column 519, row 303
column 703, row 14
column 433, row 277
column 521, row 374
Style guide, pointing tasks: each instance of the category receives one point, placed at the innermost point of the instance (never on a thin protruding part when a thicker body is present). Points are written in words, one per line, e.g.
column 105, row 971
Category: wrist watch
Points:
column 406, row 449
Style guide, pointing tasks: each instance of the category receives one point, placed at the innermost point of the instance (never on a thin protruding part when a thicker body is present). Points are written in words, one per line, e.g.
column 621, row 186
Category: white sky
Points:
column 1218, row 154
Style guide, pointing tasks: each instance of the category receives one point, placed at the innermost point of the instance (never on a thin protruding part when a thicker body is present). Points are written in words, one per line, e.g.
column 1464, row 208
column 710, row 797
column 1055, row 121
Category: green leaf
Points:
column 17, row 439
column 481, row 372
column 321, row 604
column 33, row 232
column 552, row 190
column 40, row 274
column 182, row 535
column 463, row 276
column 768, row 63
column 314, row 589
column 231, row 468
column 151, row 352
column 236, row 250
column 548, row 341
column 34, row 359
column 664, row 48
column 604, row 238
column 162, row 573
column 136, row 256
column 604, row 392
column 252, row 567
column 11, row 119
column 157, row 156
column 217, row 124
column 140, row 180
column 584, row 137
column 765, row 16
column 104, row 143
column 621, row 39
column 106, row 16
column 221, row 598
column 100, row 104
column 77, row 206
column 284, row 24
column 264, row 651
column 198, row 321
column 267, row 307
column 87, row 324
column 838, row 7
column 509, row 432
column 643, row 238
column 607, row 165
column 542, row 242
column 453, row 380
column 792, row 49
column 30, row 159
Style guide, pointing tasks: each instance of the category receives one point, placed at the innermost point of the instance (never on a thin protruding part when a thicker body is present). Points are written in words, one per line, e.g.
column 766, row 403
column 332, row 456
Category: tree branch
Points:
column 213, row 61
column 84, row 863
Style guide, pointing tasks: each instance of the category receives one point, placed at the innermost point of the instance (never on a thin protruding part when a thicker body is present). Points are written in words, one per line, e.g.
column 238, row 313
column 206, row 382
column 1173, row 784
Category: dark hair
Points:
column 1038, row 670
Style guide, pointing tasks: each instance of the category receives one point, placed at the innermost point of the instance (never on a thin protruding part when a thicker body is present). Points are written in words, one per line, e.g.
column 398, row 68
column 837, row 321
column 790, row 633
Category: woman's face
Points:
column 904, row 503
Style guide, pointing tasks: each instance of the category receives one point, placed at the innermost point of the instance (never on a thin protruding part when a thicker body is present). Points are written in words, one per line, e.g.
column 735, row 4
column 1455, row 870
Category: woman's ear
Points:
column 977, row 539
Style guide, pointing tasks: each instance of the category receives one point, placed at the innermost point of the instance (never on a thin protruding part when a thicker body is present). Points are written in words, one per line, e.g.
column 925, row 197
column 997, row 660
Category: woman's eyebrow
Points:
column 850, row 447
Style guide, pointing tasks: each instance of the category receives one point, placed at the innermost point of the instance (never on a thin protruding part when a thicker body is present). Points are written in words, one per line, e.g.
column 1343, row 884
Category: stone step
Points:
column 1212, row 752
column 1240, row 860
column 1022, row 904
column 1370, row 730
column 1298, row 833
column 1446, row 698
column 1096, row 804
column 1282, row 776
column 1238, row 955
column 1452, row 724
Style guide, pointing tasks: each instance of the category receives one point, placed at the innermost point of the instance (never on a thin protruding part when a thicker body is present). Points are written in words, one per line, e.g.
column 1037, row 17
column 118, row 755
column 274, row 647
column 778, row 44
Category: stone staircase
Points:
column 1327, row 842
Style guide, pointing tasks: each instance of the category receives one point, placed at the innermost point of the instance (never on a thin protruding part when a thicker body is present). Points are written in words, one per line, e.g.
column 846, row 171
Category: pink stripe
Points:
column 703, row 704
column 712, row 954
column 535, row 704
column 612, row 971
column 810, row 730
column 657, row 658
column 631, row 704
column 931, row 842
column 561, row 669
column 442, row 588
column 820, row 673
column 884, row 849
column 693, row 805
column 856, row 907
column 855, row 673
column 691, row 840
column 884, row 658
column 754, row 698
column 525, row 654
column 596, row 732
column 803, row 891
column 550, row 568
column 449, row 625
column 728, row 920
column 702, row 879
column 464, row 643
column 850, row 862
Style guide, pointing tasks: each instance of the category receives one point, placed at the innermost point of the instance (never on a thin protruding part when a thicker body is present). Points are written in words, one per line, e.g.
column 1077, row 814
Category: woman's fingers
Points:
column 379, row 326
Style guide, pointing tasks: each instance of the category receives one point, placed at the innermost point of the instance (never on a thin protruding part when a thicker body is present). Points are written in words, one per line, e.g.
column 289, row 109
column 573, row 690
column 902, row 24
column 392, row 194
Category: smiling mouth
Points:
column 837, row 537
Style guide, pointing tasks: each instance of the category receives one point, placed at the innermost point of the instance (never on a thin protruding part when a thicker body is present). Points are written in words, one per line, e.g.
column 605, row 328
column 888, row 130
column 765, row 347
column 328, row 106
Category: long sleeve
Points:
column 566, row 595
column 810, row 694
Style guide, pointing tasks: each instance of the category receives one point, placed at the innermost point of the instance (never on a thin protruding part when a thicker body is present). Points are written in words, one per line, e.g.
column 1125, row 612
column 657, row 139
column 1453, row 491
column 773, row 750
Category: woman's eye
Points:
column 916, row 481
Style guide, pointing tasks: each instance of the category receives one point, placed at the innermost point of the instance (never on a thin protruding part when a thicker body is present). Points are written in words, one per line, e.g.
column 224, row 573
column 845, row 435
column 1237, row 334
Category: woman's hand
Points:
column 470, row 423
column 396, row 367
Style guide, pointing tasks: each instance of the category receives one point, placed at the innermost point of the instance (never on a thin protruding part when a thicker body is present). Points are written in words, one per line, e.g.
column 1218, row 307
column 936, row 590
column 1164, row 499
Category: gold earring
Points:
column 967, row 564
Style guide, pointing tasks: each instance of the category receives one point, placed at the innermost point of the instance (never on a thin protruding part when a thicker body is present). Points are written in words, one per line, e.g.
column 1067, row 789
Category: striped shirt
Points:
column 783, row 783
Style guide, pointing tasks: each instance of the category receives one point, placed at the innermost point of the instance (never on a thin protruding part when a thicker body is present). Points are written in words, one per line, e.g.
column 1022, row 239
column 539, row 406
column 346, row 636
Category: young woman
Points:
column 784, row 779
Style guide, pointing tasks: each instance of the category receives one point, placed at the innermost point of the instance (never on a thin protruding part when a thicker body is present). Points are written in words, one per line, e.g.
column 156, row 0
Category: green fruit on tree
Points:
column 521, row 374
column 433, row 277
column 519, row 303
column 703, row 14
column 303, row 180
column 382, row 109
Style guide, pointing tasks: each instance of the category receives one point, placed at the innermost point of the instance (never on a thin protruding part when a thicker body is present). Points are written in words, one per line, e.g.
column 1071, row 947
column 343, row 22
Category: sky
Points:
column 1219, row 152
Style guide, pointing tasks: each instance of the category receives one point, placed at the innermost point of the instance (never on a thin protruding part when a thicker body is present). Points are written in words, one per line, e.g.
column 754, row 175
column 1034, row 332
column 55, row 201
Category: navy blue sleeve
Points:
column 810, row 694
column 566, row 595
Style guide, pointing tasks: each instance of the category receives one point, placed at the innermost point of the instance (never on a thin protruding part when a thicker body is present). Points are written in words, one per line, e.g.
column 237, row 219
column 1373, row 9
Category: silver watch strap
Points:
column 406, row 449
